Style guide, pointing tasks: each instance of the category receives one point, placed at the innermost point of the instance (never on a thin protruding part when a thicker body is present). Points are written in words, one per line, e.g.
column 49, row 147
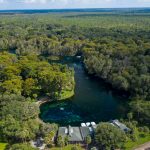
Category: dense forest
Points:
column 115, row 47
column 30, row 77
column 118, row 52
column 22, row 80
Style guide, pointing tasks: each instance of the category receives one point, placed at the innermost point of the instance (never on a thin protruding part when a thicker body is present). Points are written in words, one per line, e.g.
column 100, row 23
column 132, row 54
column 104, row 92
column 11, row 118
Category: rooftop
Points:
column 75, row 134
column 120, row 125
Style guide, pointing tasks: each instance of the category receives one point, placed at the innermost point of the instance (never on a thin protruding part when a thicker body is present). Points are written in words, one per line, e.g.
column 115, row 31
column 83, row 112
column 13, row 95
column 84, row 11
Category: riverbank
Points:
column 64, row 95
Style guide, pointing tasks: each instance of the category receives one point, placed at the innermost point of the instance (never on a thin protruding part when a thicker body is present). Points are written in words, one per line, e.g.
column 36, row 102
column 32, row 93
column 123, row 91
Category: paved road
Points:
column 145, row 146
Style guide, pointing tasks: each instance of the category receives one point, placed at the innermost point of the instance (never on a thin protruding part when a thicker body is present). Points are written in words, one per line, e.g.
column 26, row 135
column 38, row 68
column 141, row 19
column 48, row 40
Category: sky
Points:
column 60, row 4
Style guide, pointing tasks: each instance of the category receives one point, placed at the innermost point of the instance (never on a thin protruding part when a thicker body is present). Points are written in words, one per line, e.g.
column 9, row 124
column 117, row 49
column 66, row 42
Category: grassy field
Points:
column 3, row 146
column 141, row 139
column 67, row 148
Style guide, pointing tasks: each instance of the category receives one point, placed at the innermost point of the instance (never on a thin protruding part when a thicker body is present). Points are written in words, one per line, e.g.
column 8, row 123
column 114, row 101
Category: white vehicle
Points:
column 83, row 125
column 88, row 124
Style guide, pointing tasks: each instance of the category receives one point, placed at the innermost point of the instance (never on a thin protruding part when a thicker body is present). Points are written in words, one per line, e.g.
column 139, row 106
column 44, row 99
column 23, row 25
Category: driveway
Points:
column 145, row 146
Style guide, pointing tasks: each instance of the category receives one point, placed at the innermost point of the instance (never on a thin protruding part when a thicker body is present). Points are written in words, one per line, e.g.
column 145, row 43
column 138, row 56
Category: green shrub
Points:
column 146, row 129
column 74, row 148
column 134, row 137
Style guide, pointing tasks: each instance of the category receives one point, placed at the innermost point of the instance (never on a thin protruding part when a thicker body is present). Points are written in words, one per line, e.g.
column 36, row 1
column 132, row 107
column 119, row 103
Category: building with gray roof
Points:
column 120, row 125
column 74, row 134
column 85, row 131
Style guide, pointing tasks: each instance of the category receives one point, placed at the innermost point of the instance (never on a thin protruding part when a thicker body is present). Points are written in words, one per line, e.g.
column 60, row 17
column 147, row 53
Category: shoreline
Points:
column 47, row 99
column 43, row 100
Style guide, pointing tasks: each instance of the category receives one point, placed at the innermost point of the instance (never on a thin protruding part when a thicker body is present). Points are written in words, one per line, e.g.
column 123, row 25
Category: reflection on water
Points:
column 93, row 101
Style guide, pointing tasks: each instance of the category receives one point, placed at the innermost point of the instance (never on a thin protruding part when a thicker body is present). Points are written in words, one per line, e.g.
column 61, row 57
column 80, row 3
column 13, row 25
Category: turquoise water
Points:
column 94, row 100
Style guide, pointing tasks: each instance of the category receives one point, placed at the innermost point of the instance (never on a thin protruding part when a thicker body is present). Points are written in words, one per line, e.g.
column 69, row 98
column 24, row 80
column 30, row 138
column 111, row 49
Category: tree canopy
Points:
column 115, row 46
column 28, row 76
column 18, row 118
column 109, row 136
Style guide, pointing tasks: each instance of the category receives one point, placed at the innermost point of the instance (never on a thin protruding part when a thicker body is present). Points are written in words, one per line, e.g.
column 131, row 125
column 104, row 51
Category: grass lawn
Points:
column 142, row 138
column 67, row 148
column 3, row 146
column 66, row 94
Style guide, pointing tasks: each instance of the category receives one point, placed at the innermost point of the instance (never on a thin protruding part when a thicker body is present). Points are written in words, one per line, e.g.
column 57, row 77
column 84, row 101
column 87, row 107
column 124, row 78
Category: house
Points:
column 120, row 125
column 74, row 134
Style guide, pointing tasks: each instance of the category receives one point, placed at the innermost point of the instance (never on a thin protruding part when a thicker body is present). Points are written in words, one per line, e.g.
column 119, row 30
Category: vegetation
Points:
column 140, row 136
column 88, row 140
column 18, row 118
column 3, row 146
column 19, row 121
column 28, row 76
column 114, row 46
column 69, row 147
column 109, row 137
column 141, row 110
column 22, row 147
column 141, row 139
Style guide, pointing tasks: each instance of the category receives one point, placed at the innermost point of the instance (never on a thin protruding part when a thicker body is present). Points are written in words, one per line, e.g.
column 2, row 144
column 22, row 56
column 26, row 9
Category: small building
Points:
column 120, row 125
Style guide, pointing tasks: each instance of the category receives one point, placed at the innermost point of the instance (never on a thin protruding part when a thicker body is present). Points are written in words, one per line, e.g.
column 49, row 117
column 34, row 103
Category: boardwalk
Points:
column 145, row 146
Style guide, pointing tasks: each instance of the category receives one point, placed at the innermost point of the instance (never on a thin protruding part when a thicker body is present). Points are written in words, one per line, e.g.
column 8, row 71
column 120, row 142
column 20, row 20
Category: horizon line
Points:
column 136, row 7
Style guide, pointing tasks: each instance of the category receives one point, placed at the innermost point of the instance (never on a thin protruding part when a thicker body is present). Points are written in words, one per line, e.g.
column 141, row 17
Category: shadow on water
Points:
column 94, row 100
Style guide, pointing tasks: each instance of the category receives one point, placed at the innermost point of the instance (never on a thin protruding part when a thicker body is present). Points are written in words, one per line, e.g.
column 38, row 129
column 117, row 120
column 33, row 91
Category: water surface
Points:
column 94, row 100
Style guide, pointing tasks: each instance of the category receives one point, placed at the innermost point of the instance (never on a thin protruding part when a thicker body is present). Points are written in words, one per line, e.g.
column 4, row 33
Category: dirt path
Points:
column 145, row 146
column 43, row 100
